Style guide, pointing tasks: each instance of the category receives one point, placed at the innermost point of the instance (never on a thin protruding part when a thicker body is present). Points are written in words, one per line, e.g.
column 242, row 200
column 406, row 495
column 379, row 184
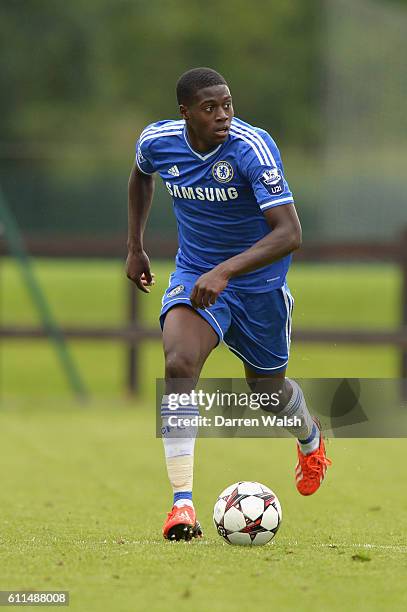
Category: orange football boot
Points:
column 310, row 469
column 181, row 524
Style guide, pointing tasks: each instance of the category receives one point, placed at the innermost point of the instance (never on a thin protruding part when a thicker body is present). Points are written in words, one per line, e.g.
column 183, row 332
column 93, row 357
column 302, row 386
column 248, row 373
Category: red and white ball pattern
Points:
column 247, row 513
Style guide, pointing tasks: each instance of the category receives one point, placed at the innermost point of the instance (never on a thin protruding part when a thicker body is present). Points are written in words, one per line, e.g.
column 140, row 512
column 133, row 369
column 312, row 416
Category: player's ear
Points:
column 184, row 111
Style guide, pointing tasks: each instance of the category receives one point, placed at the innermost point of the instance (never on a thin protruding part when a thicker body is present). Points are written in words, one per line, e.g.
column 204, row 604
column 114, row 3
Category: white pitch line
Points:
column 89, row 543
column 395, row 547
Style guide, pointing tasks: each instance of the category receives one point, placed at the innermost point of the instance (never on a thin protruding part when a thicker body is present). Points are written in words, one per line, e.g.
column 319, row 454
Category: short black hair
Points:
column 195, row 79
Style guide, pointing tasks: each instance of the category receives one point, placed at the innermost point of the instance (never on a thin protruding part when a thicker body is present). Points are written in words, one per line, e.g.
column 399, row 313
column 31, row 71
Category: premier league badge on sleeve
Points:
column 273, row 181
column 222, row 171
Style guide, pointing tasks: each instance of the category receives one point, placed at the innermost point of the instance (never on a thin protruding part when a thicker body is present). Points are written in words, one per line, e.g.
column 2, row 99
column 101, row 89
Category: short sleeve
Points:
column 264, row 170
column 144, row 158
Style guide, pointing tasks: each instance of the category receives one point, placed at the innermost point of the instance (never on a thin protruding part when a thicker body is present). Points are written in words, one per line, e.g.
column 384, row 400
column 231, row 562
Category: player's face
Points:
column 209, row 116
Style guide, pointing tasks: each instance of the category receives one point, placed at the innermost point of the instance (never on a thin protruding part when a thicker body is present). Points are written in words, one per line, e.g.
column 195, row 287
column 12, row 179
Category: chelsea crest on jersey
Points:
column 219, row 197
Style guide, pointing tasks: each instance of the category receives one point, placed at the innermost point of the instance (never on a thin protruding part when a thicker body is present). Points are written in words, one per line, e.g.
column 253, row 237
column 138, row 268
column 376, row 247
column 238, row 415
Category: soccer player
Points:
column 237, row 226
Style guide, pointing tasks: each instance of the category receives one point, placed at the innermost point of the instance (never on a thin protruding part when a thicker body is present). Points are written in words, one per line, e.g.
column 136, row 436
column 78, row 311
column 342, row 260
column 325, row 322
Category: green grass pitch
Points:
column 84, row 490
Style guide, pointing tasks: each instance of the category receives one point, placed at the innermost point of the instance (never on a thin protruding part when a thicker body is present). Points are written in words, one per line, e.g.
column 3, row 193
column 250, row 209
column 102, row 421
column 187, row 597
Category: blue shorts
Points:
column 255, row 326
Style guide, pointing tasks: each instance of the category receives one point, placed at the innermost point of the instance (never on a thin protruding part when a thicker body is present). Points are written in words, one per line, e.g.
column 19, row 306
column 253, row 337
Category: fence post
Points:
column 403, row 264
column 133, row 346
column 18, row 249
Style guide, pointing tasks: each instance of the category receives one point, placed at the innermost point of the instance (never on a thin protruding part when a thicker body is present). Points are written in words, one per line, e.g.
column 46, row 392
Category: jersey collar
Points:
column 202, row 157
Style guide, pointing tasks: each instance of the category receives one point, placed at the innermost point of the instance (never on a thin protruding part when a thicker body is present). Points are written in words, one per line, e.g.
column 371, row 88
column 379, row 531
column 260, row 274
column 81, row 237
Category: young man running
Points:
column 237, row 226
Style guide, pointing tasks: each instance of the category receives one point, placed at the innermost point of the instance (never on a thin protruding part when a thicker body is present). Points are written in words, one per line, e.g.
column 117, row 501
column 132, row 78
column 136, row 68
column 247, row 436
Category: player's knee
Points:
column 180, row 364
column 277, row 388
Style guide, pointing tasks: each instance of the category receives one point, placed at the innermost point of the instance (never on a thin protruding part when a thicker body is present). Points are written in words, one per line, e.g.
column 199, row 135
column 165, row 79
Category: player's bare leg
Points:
column 312, row 461
column 188, row 340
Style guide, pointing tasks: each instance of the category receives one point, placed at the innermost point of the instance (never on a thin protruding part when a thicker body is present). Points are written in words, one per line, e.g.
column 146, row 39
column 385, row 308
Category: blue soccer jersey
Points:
column 219, row 197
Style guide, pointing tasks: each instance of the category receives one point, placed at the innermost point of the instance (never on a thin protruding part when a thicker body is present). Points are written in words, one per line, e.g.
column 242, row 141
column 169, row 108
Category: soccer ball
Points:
column 247, row 513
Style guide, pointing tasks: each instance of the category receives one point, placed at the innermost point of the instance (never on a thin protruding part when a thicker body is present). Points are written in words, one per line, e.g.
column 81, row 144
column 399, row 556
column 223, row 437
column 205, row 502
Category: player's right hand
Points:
column 138, row 270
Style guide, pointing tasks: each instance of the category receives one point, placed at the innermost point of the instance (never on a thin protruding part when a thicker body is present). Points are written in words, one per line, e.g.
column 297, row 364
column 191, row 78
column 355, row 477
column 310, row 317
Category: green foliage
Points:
column 65, row 66
column 80, row 80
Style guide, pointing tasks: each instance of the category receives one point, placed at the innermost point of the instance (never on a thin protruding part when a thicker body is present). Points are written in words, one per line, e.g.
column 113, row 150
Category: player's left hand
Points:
column 207, row 289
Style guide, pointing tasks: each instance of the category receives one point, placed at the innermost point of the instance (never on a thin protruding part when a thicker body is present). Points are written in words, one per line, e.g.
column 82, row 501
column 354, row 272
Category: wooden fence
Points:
column 134, row 332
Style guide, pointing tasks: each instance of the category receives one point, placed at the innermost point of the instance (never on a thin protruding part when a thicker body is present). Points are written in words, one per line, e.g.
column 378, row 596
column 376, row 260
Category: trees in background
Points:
column 69, row 70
